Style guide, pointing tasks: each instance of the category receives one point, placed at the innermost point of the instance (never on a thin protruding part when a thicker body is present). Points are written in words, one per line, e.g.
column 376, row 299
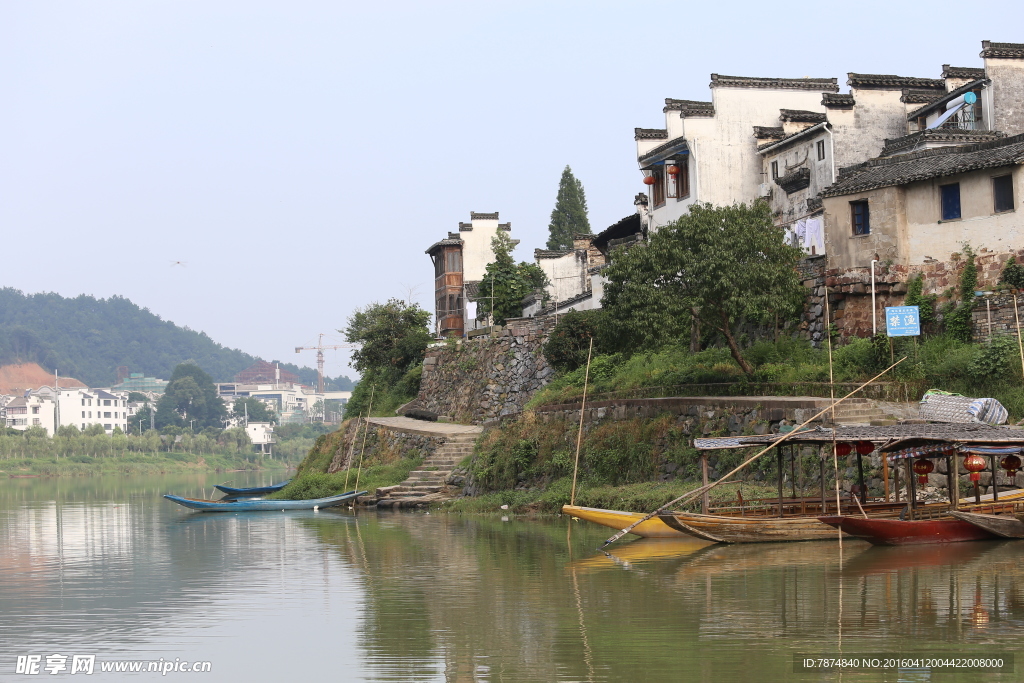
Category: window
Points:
column 35, row 410
column 83, row 426
column 680, row 183
column 821, row 150
column 90, row 414
column 775, row 170
column 950, row 201
column 107, row 427
column 1002, row 192
column 658, row 189
column 106, row 403
column 35, row 421
column 83, row 401
column 454, row 262
column 83, row 413
column 861, row 219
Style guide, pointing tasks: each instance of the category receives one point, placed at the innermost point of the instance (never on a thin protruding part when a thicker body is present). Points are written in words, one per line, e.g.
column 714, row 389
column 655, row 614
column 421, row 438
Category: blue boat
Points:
column 255, row 504
column 255, row 491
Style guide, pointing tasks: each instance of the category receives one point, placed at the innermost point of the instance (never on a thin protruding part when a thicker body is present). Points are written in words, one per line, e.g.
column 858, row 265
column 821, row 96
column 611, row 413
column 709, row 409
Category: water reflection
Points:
column 108, row 566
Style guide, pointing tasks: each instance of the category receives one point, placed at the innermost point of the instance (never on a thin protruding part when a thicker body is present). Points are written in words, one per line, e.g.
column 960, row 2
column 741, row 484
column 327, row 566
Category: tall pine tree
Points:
column 569, row 216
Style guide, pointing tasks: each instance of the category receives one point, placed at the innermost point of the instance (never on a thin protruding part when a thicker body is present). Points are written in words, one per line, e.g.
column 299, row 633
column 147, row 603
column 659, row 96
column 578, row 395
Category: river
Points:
column 104, row 566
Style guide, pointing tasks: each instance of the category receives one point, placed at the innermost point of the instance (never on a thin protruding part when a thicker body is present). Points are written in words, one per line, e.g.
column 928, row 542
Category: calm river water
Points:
column 105, row 566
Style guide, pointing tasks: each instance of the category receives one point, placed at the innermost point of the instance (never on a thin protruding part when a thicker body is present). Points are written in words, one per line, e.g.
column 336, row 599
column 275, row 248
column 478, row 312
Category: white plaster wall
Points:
column 567, row 275
column 860, row 134
column 476, row 248
column 979, row 225
column 1007, row 94
column 791, row 207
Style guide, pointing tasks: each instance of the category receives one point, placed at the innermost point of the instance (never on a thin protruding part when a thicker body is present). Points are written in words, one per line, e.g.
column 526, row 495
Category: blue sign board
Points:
column 903, row 321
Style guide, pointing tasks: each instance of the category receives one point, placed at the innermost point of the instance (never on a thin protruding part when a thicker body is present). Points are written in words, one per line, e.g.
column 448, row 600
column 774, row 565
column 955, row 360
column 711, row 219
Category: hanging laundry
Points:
column 814, row 236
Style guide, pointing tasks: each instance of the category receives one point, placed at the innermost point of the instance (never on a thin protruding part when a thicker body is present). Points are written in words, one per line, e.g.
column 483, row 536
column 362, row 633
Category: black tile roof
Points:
column 821, row 84
column 916, row 96
column 952, row 95
column 551, row 253
column 769, row 132
column 801, row 116
column 465, row 227
column 1002, row 50
column 947, row 136
column 689, row 107
column 443, row 243
column 473, row 215
column 837, row 101
column 962, row 72
column 891, row 82
column 797, row 179
column 931, row 163
column 673, row 146
column 650, row 134
column 792, row 137
column 630, row 225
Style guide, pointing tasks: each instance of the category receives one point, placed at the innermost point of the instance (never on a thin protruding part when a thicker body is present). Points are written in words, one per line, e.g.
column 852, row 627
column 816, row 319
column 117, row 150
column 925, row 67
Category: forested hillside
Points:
column 88, row 338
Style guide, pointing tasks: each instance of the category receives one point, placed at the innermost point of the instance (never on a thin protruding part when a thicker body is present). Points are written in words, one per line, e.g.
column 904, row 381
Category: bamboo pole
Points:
column 832, row 396
column 366, row 428
column 579, row 433
column 705, row 503
column 687, row 497
column 352, row 449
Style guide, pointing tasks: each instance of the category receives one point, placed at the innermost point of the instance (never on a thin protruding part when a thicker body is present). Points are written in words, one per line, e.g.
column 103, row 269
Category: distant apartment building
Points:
column 50, row 409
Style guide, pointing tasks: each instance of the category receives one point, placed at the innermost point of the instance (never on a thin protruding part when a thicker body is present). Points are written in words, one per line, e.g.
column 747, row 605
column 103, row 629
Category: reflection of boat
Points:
column 884, row 559
column 643, row 550
column 251, row 505
column 907, row 532
column 617, row 519
column 255, row 491
column 762, row 529
column 1004, row 526
column 721, row 559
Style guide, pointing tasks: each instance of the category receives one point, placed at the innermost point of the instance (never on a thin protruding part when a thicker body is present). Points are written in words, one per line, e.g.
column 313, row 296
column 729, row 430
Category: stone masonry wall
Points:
column 382, row 445
column 489, row 375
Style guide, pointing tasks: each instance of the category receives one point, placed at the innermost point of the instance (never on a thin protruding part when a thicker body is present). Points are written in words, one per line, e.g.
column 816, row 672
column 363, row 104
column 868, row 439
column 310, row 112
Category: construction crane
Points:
column 319, row 348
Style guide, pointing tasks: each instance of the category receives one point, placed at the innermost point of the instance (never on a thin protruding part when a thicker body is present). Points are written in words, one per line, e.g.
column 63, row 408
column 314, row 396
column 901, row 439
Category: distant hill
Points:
column 89, row 338
column 16, row 379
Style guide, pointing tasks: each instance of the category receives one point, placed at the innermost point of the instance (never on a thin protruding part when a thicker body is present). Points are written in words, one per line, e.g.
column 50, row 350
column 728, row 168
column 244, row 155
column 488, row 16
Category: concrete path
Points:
column 407, row 424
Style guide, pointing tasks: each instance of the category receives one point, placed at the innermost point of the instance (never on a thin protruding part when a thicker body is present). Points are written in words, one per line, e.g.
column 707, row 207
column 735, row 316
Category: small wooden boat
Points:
column 1004, row 526
column 255, row 491
column 251, row 505
column 760, row 529
column 909, row 532
column 618, row 520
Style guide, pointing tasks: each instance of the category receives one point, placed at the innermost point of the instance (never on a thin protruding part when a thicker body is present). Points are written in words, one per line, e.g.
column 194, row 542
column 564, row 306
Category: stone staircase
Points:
column 861, row 411
column 428, row 484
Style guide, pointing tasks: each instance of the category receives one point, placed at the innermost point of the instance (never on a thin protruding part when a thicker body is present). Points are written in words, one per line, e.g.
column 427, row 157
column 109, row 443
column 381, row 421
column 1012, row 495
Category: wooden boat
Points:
column 909, row 532
column 618, row 520
column 255, row 491
column 1004, row 526
column 755, row 529
column 251, row 505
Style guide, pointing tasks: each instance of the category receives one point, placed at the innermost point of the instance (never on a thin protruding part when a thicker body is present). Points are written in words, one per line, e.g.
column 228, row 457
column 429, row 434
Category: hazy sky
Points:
column 300, row 156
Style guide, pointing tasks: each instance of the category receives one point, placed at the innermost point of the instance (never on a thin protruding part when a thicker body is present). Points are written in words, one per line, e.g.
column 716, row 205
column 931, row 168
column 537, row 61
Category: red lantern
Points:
column 650, row 180
column 974, row 464
column 1011, row 464
column 864, row 447
column 923, row 467
column 843, row 449
column 673, row 170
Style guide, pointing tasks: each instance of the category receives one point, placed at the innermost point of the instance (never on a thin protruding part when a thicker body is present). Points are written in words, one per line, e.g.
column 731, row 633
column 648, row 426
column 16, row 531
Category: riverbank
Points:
column 136, row 463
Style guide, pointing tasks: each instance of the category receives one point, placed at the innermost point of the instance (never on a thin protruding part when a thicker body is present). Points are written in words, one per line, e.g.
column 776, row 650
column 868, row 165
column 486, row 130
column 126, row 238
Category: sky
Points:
column 298, row 157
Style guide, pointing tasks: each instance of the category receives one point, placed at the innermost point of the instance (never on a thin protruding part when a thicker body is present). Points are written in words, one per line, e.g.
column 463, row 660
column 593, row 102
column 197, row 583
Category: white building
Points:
column 261, row 434
column 292, row 402
column 46, row 407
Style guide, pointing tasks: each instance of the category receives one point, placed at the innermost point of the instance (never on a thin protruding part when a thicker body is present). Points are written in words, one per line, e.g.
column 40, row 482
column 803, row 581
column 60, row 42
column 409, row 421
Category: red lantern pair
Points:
column 974, row 464
column 923, row 467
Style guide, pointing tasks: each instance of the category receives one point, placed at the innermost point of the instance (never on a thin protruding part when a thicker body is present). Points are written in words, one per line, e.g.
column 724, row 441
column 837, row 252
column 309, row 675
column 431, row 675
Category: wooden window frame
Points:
column 658, row 189
column 1011, row 206
column 682, row 181
column 820, row 149
column 865, row 217
column 775, row 170
column 944, row 191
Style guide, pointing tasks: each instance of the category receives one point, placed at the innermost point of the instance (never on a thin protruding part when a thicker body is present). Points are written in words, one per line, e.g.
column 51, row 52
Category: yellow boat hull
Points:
column 618, row 520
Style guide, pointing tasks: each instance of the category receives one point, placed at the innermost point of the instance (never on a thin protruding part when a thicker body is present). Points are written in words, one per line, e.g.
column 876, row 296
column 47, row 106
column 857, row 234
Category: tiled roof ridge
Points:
column 951, row 95
column 802, row 115
column 764, row 132
column 964, row 137
column 792, row 137
column 892, row 82
column 837, row 100
column 674, row 142
column 847, row 182
column 689, row 107
column 962, row 72
column 990, row 49
column 650, row 133
column 918, row 96
column 483, row 216
column 720, row 80
column 551, row 253
column 442, row 243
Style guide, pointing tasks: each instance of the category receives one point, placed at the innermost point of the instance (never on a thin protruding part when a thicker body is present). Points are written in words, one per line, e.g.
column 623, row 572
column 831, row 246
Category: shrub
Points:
column 1013, row 274
column 569, row 343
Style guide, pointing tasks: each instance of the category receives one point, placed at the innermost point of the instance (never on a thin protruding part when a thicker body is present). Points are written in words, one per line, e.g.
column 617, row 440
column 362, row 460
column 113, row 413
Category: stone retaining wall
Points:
column 382, row 445
column 487, row 376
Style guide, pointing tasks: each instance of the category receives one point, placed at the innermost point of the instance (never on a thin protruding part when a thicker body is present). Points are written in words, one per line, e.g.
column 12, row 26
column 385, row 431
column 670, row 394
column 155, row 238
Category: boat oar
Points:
column 700, row 491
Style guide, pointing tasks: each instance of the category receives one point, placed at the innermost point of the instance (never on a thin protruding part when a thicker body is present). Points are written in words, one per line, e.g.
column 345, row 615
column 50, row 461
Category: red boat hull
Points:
column 900, row 532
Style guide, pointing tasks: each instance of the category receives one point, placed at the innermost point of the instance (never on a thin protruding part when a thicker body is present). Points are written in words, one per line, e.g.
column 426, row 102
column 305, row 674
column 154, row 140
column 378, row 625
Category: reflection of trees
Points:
column 512, row 598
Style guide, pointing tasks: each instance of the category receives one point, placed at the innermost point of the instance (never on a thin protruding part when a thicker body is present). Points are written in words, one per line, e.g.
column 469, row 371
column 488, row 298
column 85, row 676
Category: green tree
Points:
column 257, row 410
column 505, row 284
column 190, row 399
column 569, row 216
column 725, row 265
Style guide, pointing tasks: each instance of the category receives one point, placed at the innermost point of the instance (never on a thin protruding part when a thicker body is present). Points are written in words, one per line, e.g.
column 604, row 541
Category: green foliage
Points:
column 505, row 284
column 969, row 275
column 190, row 396
column 915, row 297
column 1013, row 274
column 311, row 484
column 725, row 265
column 257, row 410
column 994, row 362
column 569, row 343
column 569, row 216
column 88, row 338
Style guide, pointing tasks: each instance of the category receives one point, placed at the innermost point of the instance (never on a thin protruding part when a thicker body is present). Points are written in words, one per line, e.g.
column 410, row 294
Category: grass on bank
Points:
column 310, row 483
column 135, row 463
